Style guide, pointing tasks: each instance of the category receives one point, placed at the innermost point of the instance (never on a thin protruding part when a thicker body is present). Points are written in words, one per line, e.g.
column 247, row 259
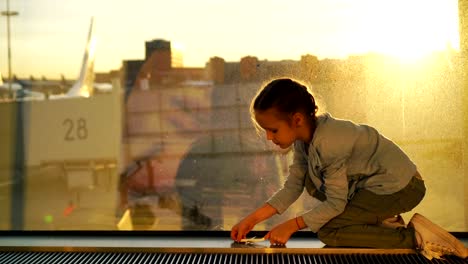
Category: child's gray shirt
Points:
column 342, row 157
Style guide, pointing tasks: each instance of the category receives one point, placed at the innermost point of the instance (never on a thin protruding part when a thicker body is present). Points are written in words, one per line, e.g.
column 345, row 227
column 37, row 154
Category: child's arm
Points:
column 280, row 234
column 240, row 230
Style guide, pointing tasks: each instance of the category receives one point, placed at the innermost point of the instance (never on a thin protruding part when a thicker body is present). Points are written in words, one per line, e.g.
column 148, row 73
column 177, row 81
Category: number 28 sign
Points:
column 75, row 129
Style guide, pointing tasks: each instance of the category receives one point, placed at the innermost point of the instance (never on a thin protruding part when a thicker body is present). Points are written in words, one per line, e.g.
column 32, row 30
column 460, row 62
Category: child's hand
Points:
column 280, row 234
column 240, row 230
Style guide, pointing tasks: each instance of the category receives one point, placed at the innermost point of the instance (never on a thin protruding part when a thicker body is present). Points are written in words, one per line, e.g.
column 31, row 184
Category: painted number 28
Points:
column 75, row 129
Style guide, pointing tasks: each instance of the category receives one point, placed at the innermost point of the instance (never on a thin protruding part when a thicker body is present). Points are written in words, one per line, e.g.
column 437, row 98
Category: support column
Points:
column 463, row 24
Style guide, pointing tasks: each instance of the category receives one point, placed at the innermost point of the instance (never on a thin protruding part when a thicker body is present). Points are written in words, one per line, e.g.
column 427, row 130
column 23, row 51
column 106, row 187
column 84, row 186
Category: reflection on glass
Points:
column 160, row 145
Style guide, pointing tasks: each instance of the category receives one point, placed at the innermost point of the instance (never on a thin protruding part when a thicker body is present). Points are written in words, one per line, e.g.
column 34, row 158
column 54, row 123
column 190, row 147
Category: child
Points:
column 363, row 180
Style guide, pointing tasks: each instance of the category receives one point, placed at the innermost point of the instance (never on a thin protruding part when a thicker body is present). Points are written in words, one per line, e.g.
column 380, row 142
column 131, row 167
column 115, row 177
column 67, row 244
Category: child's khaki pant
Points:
column 358, row 225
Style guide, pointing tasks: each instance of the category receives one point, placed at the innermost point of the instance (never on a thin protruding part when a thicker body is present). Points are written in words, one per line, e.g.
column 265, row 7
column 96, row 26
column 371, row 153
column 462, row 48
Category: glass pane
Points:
column 118, row 115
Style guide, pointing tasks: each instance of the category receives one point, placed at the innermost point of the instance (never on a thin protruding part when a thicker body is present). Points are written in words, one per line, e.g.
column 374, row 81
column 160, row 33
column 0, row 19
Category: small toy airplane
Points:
column 252, row 240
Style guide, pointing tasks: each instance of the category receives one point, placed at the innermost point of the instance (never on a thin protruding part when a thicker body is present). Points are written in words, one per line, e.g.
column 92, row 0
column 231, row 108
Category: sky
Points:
column 48, row 37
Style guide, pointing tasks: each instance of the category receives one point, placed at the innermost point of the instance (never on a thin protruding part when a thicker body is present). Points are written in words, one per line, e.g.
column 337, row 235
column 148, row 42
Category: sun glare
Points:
column 410, row 30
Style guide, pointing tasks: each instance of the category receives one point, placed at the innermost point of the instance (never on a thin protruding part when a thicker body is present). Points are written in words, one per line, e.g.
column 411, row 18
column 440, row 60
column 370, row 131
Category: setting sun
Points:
column 412, row 29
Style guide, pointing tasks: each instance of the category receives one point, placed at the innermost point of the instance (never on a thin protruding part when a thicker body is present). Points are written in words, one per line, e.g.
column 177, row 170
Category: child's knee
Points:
column 327, row 236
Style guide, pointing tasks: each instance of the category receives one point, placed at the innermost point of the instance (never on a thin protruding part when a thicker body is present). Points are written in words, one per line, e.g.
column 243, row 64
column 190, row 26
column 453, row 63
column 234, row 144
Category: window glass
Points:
column 118, row 115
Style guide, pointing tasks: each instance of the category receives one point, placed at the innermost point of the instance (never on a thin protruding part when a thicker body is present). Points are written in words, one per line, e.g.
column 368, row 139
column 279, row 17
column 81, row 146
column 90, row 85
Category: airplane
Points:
column 103, row 87
column 18, row 91
column 33, row 82
column 82, row 87
column 14, row 85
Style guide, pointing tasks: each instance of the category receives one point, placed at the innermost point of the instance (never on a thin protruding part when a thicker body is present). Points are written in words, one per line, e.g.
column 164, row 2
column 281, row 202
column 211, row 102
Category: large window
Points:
column 134, row 115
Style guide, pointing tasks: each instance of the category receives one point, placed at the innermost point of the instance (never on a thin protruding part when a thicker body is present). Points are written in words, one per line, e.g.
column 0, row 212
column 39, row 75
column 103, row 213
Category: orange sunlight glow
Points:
column 410, row 30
